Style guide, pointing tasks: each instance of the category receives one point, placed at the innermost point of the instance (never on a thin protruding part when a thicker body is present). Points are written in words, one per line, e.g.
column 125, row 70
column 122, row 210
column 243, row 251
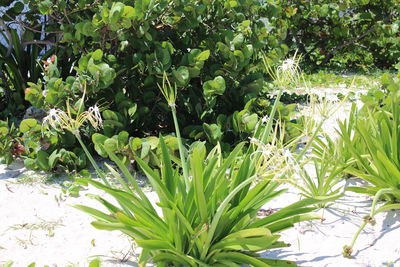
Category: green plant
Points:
column 125, row 147
column 378, row 128
column 48, row 150
column 210, row 50
column 19, row 64
column 72, row 121
column 208, row 211
column 10, row 145
column 335, row 149
column 358, row 34
column 324, row 183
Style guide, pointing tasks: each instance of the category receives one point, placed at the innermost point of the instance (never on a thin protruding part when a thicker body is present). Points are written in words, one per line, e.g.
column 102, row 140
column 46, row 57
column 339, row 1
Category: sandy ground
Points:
column 319, row 243
column 38, row 224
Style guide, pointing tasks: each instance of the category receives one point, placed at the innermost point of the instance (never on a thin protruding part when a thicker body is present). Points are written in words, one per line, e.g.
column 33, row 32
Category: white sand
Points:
column 319, row 243
column 65, row 236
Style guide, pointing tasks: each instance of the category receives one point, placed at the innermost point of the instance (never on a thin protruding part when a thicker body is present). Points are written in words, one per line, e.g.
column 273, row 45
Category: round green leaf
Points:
column 27, row 124
column 181, row 75
column 97, row 55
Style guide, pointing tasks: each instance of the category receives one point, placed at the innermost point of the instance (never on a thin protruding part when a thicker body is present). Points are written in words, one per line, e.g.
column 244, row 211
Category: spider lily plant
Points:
column 379, row 164
column 72, row 121
column 208, row 218
column 325, row 182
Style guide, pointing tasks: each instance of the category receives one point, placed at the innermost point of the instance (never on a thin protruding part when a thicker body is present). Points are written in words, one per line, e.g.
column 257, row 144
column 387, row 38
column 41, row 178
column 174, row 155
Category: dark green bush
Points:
column 210, row 50
column 348, row 33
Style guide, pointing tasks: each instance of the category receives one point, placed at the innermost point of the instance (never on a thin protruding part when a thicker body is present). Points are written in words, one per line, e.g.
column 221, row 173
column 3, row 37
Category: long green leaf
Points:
column 239, row 258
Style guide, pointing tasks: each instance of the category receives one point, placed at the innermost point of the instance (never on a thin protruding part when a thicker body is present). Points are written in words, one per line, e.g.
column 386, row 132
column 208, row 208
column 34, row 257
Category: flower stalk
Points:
column 170, row 92
column 60, row 121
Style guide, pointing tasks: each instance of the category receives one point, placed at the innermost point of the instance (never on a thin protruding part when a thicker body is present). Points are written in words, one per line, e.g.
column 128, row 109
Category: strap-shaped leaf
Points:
column 247, row 243
column 166, row 170
column 284, row 224
column 299, row 207
column 196, row 164
column 154, row 244
column 96, row 213
column 239, row 258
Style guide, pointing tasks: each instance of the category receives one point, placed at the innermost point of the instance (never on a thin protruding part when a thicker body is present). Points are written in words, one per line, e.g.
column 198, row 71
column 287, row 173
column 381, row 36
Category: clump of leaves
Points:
column 378, row 130
column 207, row 213
column 10, row 143
column 322, row 180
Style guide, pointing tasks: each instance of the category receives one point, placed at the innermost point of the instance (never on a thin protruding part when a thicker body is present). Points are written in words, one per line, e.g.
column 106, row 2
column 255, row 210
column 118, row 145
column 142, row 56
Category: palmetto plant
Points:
column 379, row 163
column 210, row 216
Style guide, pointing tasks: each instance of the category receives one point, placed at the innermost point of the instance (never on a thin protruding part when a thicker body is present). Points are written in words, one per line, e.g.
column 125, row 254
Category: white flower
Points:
column 265, row 119
column 332, row 98
column 254, row 141
column 95, row 117
column 60, row 120
column 287, row 65
column 54, row 119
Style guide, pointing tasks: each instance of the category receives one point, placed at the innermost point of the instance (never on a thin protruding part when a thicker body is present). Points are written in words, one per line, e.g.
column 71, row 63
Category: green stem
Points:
column 358, row 233
column 372, row 213
column 377, row 197
column 309, row 143
column 268, row 129
column 181, row 148
column 94, row 164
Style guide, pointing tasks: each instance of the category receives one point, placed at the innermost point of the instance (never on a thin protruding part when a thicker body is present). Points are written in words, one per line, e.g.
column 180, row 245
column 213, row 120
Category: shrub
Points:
column 211, row 51
column 358, row 34
column 10, row 145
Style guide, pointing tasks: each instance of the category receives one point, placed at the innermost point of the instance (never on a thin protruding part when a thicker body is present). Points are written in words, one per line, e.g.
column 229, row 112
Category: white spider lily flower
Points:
column 254, row 141
column 332, row 98
column 55, row 119
column 288, row 65
column 288, row 75
column 95, row 117
column 60, row 120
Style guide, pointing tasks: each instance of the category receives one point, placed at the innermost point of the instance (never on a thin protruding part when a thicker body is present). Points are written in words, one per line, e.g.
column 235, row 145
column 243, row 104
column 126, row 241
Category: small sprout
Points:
column 50, row 233
column 347, row 251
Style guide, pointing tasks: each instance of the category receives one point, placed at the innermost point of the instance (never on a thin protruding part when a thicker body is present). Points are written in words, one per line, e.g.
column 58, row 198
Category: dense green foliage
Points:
column 100, row 65
column 376, row 129
column 209, row 50
column 118, row 52
column 358, row 34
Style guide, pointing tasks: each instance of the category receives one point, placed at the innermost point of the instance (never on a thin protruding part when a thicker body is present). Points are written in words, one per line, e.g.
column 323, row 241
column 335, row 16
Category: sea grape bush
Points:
column 359, row 34
column 209, row 50
column 10, row 146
